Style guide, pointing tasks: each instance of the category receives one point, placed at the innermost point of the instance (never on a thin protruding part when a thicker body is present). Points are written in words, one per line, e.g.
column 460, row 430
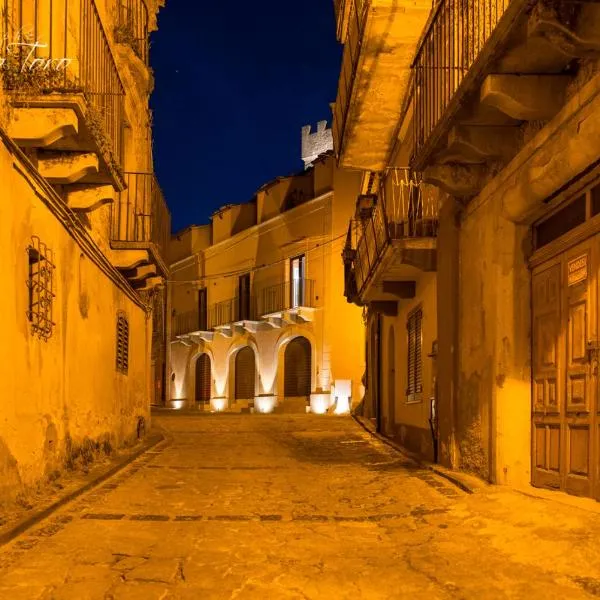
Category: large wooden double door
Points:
column 565, row 415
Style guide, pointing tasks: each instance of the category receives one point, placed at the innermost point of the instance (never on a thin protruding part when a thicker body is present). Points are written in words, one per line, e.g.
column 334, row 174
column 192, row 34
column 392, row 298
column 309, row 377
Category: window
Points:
column 414, row 328
column 122, row 344
column 40, row 284
column 243, row 298
column 202, row 310
column 297, row 271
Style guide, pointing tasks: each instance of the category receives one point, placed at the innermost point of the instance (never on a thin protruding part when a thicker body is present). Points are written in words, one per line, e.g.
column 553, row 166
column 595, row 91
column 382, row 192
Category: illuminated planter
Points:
column 320, row 403
column 218, row 404
column 265, row 404
column 343, row 393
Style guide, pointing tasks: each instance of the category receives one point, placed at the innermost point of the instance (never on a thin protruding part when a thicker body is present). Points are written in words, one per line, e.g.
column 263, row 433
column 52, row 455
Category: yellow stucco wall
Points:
column 315, row 228
column 67, row 386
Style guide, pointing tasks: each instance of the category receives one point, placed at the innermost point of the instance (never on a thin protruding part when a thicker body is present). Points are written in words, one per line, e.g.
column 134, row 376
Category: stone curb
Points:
column 38, row 516
column 469, row 488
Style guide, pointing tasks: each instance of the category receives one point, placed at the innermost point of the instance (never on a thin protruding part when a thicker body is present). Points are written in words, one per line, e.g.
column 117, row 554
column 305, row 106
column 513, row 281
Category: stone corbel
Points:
column 455, row 179
column 477, row 144
column 87, row 198
column 150, row 284
column 525, row 97
column 129, row 259
column 584, row 42
column 141, row 273
column 40, row 127
column 67, row 167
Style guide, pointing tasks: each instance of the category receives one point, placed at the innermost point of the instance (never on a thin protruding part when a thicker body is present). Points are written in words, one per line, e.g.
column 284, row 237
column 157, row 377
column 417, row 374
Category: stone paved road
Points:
column 280, row 507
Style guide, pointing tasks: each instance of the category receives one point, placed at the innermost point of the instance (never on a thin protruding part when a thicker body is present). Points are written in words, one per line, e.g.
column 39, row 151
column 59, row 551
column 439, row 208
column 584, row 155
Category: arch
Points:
column 391, row 382
column 245, row 374
column 203, row 379
column 298, row 368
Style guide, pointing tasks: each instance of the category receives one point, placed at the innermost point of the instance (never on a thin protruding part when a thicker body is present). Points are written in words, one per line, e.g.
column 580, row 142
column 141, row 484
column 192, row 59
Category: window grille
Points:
column 40, row 284
column 414, row 327
column 122, row 344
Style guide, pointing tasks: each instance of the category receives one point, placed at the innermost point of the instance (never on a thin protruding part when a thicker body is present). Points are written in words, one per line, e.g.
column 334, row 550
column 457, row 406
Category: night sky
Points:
column 235, row 83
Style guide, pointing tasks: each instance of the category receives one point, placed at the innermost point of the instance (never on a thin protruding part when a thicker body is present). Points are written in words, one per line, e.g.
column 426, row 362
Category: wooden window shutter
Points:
column 414, row 328
column 122, row 344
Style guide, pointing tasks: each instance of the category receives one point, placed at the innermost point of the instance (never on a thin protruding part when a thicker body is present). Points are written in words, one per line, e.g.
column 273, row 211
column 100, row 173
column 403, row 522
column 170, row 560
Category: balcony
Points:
column 483, row 72
column 140, row 228
column 380, row 37
column 287, row 302
column 132, row 27
column 66, row 92
column 392, row 239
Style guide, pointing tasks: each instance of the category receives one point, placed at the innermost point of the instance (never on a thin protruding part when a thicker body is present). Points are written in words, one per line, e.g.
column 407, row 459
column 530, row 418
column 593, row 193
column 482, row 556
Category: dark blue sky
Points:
column 235, row 83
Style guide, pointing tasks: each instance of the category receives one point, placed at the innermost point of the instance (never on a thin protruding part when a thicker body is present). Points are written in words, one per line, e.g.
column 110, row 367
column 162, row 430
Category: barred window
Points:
column 41, row 293
column 122, row 344
column 414, row 328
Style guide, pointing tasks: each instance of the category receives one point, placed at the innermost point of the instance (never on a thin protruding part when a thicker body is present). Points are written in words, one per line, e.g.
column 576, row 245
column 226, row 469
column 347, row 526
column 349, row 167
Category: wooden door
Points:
column 245, row 374
column 564, row 417
column 203, row 379
column 297, row 368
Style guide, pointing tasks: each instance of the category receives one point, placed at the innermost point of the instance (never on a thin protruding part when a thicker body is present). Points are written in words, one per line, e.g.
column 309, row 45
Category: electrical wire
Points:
column 239, row 272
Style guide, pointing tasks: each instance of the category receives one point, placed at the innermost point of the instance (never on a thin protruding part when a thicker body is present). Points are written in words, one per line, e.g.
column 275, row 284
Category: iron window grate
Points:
column 41, row 288
column 414, row 327
column 122, row 344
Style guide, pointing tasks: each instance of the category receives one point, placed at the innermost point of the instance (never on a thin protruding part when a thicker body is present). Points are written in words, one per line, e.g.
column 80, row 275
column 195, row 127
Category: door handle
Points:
column 592, row 349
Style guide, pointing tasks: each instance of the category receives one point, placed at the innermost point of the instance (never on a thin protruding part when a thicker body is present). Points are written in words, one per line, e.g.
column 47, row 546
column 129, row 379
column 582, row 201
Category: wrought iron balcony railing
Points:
column 231, row 311
column 404, row 209
column 286, row 295
column 189, row 321
column 132, row 27
column 140, row 213
column 61, row 46
column 456, row 34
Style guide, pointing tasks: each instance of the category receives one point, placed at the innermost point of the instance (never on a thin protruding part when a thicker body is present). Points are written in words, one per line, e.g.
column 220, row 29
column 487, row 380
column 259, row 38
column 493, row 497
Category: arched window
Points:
column 297, row 368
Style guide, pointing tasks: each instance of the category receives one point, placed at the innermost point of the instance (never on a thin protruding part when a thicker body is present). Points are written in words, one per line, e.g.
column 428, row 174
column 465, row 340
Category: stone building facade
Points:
column 83, row 230
column 259, row 320
column 499, row 112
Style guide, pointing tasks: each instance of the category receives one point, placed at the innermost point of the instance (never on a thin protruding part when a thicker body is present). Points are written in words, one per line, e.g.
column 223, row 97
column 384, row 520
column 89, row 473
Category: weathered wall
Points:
column 408, row 421
column 63, row 394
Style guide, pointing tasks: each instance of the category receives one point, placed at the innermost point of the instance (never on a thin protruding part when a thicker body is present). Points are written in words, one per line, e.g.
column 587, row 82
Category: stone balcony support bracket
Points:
column 40, row 127
column 525, row 97
column 477, row 144
column 87, row 198
column 455, row 179
column 129, row 259
column 67, row 167
column 581, row 42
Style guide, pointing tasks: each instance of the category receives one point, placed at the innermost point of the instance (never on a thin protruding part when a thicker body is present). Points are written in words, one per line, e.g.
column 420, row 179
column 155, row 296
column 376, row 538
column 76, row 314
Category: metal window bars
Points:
column 41, row 292
column 122, row 359
column 62, row 46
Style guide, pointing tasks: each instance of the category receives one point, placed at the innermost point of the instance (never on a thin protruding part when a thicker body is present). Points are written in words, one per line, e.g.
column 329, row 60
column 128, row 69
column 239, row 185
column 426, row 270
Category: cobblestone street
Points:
column 297, row 507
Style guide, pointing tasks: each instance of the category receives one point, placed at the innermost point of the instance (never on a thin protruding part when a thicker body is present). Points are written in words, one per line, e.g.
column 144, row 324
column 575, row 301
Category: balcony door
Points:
column 297, row 277
column 244, row 297
column 202, row 310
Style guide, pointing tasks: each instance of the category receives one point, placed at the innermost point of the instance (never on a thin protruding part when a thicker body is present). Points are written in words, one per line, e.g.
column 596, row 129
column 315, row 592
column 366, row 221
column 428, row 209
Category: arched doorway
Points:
column 203, row 379
column 297, row 369
column 245, row 374
column 391, row 387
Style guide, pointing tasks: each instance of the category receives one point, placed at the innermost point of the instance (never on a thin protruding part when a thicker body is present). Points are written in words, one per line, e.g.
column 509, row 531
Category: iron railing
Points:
column 457, row 33
column 286, row 295
column 232, row 310
column 71, row 54
column 140, row 213
column 357, row 19
column 132, row 27
column 405, row 208
column 188, row 322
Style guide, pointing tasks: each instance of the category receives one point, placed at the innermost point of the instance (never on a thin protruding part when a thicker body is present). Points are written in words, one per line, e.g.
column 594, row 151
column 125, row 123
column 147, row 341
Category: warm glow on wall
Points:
column 268, row 370
column 319, row 403
column 265, row 404
column 178, row 404
column 220, row 382
column 342, row 393
column 218, row 404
